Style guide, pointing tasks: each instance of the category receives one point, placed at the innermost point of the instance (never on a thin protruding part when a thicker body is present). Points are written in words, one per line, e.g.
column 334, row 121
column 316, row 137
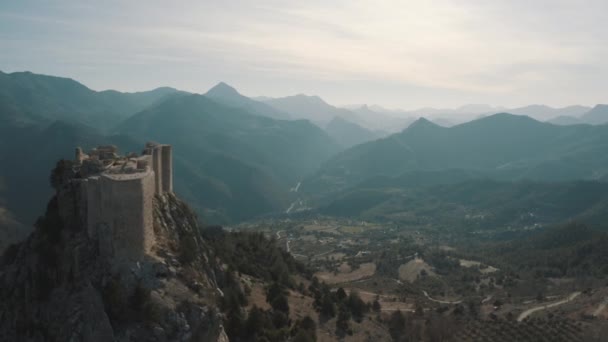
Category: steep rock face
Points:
column 11, row 230
column 56, row 286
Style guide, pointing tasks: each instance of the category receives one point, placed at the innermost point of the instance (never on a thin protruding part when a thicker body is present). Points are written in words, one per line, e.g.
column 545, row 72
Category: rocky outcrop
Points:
column 11, row 230
column 55, row 286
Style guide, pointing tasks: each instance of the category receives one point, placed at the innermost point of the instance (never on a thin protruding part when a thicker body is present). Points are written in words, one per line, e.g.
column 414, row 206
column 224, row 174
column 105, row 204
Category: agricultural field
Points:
column 412, row 271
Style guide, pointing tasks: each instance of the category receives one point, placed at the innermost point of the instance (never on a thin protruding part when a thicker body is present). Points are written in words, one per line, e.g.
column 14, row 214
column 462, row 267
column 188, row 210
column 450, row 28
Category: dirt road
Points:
column 440, row 301
column 528, row 312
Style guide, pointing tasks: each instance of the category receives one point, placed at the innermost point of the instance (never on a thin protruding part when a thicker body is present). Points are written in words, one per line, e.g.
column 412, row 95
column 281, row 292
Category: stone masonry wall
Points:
column 167, row 168
column 119, row 205
column 120, row 214
column 157, row 166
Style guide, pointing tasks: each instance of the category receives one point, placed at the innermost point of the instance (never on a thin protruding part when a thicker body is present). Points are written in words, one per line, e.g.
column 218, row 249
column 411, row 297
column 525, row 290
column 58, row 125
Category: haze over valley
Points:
column 273, row 144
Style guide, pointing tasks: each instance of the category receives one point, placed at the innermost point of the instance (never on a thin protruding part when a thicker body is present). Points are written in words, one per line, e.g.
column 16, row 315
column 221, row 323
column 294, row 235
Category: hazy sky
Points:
column 395, row 53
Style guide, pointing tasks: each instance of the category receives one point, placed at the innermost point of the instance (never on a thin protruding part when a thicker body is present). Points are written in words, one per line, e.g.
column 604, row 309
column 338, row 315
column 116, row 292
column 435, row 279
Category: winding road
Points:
column 291, row 207
column 528, row 312
column 296, row 188
column 288, row 247
column 440, row 301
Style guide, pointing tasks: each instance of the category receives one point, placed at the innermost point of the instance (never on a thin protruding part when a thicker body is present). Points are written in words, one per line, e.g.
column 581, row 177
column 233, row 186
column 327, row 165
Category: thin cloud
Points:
column 487, row 51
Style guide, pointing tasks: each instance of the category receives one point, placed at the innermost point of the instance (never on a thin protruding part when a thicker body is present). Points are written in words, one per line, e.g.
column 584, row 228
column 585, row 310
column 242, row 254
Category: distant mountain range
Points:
column 596, row 116
column 348, row 127
column 544, row 113
column 28, row 98
column 348, row 133
column 566, row 120
column 569, row 115
column 311, row 108
column 237, row 157
column 229, row 96
column 502, row 146
column 234, row 163
column 381, row 120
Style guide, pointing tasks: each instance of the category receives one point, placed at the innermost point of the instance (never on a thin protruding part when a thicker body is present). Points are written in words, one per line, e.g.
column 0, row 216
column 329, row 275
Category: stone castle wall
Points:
column 157, row 160
column 162, row 164
column 119, row 205
column 119, row 214
column 167, row 168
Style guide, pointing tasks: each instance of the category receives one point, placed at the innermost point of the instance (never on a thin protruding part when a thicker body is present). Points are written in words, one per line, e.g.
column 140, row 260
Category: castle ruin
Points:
column 119, row 193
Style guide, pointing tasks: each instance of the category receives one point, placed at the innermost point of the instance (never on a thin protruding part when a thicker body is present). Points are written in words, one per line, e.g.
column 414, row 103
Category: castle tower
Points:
column 120, row 197
column 119, row 213
column 158, row 168
column 167, row 168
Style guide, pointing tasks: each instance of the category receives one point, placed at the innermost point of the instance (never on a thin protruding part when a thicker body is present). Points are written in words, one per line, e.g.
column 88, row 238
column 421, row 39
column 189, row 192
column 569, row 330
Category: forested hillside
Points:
column 502, row 146
column 28, row 98
column 229, row 160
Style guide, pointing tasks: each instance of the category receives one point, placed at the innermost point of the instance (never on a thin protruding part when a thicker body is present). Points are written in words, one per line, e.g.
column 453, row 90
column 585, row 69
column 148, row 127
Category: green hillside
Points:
column 227, row 95
column 571, row 250
column 598, row 115
column 28, row 98
column 31, row 151
column 229, row 161
column 348, row 133
column 501, row 146
column 475, row 204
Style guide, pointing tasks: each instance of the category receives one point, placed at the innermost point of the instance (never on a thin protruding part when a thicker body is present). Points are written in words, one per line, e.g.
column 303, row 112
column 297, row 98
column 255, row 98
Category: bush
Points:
column 254, row 254
column 123, row 308
column 356, row 305
column 342, row 324
column 376, row 306
column 114, row 296
column 188, row 248
column 396, row 325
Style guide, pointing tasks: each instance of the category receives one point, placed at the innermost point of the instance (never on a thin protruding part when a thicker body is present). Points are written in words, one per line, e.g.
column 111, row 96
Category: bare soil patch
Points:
column 364, row 271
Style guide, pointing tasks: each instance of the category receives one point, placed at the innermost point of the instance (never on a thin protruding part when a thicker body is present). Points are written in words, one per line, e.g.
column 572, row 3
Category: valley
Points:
column 420, row 270
column 321, row 224
column 304, row 171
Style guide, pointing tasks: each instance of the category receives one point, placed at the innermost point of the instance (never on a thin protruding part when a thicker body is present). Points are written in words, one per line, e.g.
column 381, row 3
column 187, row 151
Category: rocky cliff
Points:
column 56, row 286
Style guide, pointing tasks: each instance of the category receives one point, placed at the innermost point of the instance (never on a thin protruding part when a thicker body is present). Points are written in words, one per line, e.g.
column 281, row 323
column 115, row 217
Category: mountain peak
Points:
column 600, row 106
column 301, row 100
column 222, row 89
column 422, row 123
column 504, row 121
column 508, row 117
column 337, row 119
column 598, row 115
column 308, row 98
